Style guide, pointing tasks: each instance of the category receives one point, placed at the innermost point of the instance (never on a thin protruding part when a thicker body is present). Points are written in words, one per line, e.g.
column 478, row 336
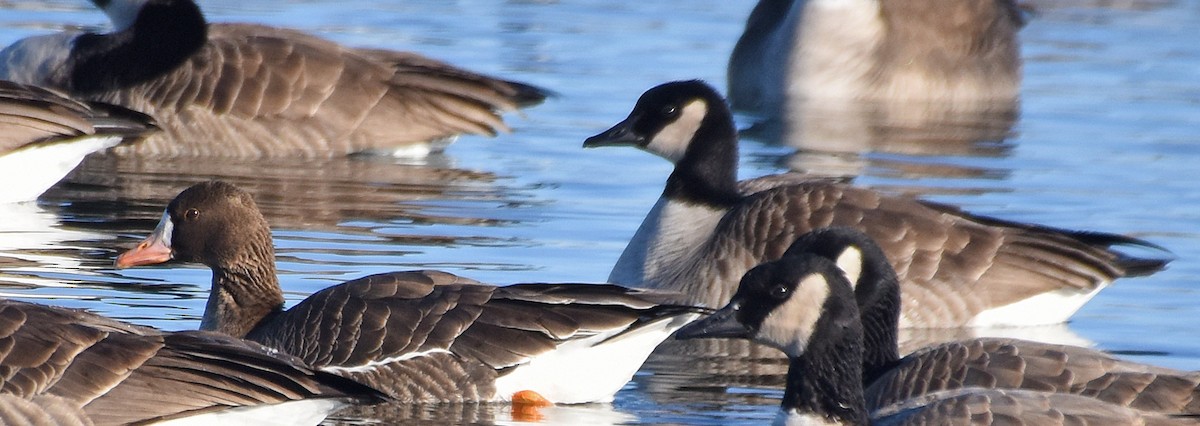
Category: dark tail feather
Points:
column 528, row 95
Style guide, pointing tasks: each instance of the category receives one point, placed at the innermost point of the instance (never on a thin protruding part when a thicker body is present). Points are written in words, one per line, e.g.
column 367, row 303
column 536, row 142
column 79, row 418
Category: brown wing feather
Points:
column 31, row 115
column 254, row 90
column 937, row 253
column 1009, row 364
column 1013, row 407
column 356, row 327
column 116, row 373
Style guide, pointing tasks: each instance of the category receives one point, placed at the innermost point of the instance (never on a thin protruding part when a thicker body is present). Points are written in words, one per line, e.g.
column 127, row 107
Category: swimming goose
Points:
column 84, row 368
column 804, row 306
column 241, row 90
column 420, row 336
column 44, row 135
column 981, row 362
column 955, row 269
column 948, row 51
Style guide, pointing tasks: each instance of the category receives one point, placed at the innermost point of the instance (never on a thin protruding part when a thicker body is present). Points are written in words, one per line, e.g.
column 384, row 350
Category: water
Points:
column 1105, row 140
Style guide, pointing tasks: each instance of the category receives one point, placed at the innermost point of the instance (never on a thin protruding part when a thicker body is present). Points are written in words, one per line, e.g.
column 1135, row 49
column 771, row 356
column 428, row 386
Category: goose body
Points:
column 65, row 366
column 946, row 51
column 44, row 135
column 981, row 362
column 243, row 90
column 804, row 306
column 419, row 336
column 956, row 269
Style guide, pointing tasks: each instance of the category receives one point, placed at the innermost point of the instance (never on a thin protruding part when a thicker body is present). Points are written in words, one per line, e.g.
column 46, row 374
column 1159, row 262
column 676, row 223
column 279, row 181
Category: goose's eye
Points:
column 669, row 110
column 779, row 291
column 191, row 214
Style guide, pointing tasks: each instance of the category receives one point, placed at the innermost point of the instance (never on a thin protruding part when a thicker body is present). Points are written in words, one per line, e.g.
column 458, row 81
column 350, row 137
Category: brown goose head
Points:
column 219, row 225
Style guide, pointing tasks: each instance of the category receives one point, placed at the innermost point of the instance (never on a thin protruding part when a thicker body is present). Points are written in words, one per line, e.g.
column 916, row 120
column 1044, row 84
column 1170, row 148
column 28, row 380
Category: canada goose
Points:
column 956, row 269
column 420, row 336
column 948, row 51
column 80, row 367
column 981, row 362
column 44, row 135
column 804, row 306
column 242, row 90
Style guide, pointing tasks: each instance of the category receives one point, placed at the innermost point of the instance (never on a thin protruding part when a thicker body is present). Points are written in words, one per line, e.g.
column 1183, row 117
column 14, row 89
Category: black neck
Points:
column 162, row 37
column 880, row 309
column 707, row 173
column 827, row 381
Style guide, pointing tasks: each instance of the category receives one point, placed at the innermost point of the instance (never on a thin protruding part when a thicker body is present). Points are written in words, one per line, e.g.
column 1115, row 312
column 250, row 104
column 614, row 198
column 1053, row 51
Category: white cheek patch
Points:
column 123, row 13
column 850, row 261
column 672, row 141
column 789, row 326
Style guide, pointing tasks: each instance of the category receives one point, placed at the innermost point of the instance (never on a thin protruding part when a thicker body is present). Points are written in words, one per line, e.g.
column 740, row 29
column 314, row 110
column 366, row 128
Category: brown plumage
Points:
column 981, row 362
column 804, row 305
column 707, row 229
column 950, row 53
column 419, row 336
column 74, row 364
column 243, row 90
column 45, row 134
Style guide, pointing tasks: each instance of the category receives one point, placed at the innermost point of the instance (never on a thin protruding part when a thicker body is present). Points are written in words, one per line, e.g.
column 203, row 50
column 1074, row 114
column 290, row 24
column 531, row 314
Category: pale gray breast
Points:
column 1017, row 364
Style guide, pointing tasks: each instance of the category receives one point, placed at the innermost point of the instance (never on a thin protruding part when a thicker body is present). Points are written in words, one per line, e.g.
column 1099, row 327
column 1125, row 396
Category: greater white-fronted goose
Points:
column 78, row 367
column 44, row 135
column 804, row 306
column 981, row 362
column 242, row 90
column 948, row 51
column 420, row 336
column 956, row 269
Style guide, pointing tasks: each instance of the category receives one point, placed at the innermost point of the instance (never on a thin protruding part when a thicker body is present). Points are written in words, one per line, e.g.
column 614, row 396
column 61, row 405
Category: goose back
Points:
column 956, row 269
column 245, row 90
column 115, row 373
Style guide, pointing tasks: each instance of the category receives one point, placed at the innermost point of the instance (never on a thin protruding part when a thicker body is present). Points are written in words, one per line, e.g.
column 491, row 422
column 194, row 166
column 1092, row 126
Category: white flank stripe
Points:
column 589, row 369
column 376, row 364
column 28, row 172
column 1047, row 308
column 302, row 412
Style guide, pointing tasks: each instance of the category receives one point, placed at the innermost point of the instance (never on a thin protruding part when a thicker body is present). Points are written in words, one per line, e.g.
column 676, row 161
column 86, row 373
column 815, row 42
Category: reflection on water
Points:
column 1104, row 139
column 834, row 138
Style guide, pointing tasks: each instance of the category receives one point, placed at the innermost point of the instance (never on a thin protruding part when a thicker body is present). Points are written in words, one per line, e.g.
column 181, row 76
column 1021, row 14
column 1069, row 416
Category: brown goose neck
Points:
column 242, row 297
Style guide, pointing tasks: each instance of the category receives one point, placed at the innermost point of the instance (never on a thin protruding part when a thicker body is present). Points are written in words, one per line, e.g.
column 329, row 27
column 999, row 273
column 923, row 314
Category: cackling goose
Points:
column 45, row 135
column 947, row 51
column 242, row 90
column 956, row 269
column 804, row 306
column 981, row 362
column 419, row 336
column 77, row 367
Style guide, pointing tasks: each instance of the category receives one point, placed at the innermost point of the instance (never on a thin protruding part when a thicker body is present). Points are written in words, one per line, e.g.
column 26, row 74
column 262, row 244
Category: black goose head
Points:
column 150, row 38
column 789, row 304
column 668, row 118
column 689, row 124
column 876, row 288
column 804, row 306
column 214, row 223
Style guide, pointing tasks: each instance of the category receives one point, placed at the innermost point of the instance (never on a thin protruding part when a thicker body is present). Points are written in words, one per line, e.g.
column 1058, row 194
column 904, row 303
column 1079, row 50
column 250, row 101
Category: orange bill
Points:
column 156, row 248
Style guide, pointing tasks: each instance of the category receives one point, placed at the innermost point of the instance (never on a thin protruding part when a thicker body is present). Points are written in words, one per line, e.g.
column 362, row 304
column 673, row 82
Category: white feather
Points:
column 32, row 170
column 589, row 369
column 302, row 412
